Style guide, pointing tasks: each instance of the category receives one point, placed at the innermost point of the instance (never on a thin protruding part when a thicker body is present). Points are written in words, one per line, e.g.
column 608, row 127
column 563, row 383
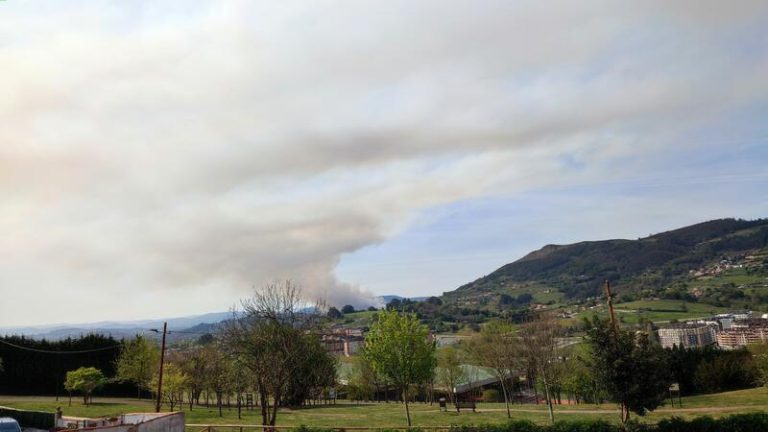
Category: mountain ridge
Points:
column 648, row 264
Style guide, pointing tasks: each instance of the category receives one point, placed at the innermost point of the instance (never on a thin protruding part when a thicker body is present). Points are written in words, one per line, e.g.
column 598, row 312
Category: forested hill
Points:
column 648, row 265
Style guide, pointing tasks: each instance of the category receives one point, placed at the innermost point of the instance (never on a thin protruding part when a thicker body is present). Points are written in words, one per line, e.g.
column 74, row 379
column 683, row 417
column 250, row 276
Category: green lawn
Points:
column 392, row 414
column 658, row 310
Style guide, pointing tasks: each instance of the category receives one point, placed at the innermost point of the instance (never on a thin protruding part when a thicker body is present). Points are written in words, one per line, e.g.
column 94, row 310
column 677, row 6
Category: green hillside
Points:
column 721, row 262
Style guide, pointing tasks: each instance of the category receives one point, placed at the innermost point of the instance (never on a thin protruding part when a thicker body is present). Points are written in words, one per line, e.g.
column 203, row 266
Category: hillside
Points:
column 684, row 263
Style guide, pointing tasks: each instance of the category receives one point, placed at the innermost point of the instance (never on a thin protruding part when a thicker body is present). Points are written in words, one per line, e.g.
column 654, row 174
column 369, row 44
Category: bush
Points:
column 491, row 395
column 753, row 422
column 305, row 428
column 582, row 426
column 30, row 419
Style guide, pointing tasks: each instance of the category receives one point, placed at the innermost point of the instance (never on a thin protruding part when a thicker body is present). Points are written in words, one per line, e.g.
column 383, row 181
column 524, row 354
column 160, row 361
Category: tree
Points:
column 362, row 382
column 632, row 371
column 538, row 343
column 348, row 309
column 399, row 348
column 314, row 371
column 493, row 348
column 577, row 378
column 334, row 313
column 194, row 364
column 139, row 358
column 761, row 362
column 241, row 380
column 85, row 380
column 450, row 373
column 175, row 382
column 270, row 337
column 217, row 374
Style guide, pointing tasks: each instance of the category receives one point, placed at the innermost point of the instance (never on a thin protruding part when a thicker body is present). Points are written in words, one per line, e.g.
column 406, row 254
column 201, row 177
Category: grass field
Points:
column 392, row 414
column 659, row 310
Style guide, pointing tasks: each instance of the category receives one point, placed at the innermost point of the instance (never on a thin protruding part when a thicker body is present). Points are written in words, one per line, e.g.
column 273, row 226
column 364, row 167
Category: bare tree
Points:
column 494, row 348
column 269, row 337
column 539, row 347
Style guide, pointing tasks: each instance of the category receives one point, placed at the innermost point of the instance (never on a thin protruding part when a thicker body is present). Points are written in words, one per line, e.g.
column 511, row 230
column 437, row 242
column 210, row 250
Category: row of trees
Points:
column 34, row 366
column 614, row 364
column 271, row 348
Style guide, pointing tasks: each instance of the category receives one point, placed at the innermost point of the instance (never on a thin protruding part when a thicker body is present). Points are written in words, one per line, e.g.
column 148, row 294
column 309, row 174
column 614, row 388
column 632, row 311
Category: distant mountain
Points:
column 644, row 265
column 120, row 329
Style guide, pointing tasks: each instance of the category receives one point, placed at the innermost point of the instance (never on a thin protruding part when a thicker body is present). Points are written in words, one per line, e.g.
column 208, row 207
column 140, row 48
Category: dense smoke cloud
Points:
column 163, row 158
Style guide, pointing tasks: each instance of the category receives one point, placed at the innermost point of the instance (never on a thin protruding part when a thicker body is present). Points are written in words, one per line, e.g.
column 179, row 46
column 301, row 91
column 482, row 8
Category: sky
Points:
column 162, row 159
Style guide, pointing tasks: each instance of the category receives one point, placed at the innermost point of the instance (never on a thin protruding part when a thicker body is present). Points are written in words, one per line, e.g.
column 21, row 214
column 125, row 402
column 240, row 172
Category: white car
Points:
column 8, row 424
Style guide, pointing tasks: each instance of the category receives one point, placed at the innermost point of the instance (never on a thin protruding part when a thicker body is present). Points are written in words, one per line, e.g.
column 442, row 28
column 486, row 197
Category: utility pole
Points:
column 609, row 295
column 162, row 360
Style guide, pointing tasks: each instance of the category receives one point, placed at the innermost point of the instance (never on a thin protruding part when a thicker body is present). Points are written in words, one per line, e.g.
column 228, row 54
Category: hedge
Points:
column 752, row 422
column 30, row 419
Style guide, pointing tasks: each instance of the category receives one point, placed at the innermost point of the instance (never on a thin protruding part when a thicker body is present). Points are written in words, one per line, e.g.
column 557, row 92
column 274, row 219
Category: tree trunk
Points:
column 407, row 411
column 506, row 398
column 549, row 401
column 275, row 405
column 264, row 407
column 624, row 414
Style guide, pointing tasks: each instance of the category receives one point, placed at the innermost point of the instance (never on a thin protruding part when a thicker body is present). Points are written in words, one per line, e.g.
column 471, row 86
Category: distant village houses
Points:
column 728, row 331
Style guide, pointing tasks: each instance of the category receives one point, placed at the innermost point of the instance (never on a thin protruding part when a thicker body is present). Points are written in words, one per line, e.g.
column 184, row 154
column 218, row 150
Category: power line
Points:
column 42, row 351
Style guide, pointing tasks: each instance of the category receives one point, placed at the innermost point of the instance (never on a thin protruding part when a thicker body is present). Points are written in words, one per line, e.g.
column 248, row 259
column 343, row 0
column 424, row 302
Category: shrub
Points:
column 491, row 395
column 582, row 426
column 752, row 422
column 30, row 419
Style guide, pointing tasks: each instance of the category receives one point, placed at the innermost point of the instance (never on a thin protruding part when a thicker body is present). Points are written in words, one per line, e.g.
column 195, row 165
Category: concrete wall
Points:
column 141, row 422
column 168, row 423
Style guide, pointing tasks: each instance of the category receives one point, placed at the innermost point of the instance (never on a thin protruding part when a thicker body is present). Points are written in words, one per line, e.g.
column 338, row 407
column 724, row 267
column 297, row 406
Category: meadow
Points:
column 382, row 415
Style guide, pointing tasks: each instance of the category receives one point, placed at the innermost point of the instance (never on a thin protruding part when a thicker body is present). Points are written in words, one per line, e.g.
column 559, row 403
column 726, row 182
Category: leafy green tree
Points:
column 577, row 377
column 84, row 380
column 241, row 380
column 399, row 348
column 218, row 373
column 348, row 309
column 315, row 370
column 194, row 364
column 138, row 361
column 726, row 372
column 362, row 382
column 632, row 371
column 761, row 362
column 175, row 382
column 449, row 372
